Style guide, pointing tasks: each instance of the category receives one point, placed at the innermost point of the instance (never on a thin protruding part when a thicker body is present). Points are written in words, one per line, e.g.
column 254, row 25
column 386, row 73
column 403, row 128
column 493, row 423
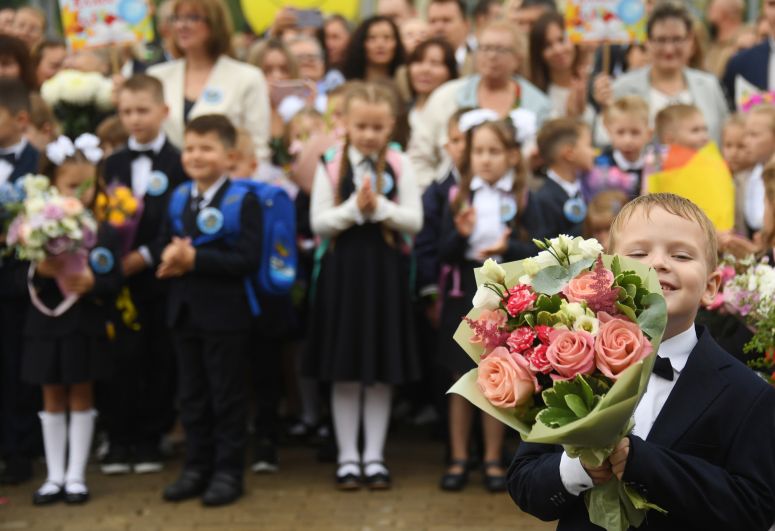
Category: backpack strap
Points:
column 178, row 201
column 332, row 159
column 393, row 157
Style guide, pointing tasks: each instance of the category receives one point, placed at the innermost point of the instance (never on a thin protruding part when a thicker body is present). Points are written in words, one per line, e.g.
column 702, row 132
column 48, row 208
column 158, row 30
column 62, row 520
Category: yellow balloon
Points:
column 261, row 13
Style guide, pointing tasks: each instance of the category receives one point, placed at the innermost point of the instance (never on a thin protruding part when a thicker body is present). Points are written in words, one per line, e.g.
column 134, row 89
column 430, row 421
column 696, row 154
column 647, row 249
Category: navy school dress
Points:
column 361, row 322
column 458, row 284
column 74, row 347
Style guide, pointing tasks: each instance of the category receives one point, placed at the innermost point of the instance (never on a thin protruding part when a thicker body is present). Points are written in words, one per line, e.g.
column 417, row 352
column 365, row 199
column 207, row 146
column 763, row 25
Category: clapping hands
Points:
column 177, row 258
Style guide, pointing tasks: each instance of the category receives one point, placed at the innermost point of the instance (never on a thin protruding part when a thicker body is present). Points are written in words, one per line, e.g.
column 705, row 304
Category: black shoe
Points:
column 116, row 461
column 264, row 456
column 77, row 497
column 349, row 480
column 380, row 480
column 190, row 484
column 223, row 490
column 148, row 459
column 46, row 496
column 494, row 482
column 455, row 482
column 17, row 470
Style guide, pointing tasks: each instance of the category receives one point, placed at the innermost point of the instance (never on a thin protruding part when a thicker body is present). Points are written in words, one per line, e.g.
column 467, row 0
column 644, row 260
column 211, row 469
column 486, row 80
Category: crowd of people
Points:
column 414, row 146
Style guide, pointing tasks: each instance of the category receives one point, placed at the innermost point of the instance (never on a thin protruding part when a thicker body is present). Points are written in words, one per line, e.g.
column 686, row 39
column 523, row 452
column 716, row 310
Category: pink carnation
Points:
column 543, row 332
column 521, row 339
column 521, row 298
column 538, row 360
column 619, row 345
column 571, row 353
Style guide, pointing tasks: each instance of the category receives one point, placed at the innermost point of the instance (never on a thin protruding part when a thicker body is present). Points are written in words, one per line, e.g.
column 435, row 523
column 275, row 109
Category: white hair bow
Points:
column 63, row 147
column 526, row 124
column 476, row 118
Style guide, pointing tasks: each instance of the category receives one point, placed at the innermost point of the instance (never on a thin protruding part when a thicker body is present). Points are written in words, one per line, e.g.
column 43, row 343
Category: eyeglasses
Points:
column 667, row 41
column 190, row 20
column 309, row 57
column 497, row 50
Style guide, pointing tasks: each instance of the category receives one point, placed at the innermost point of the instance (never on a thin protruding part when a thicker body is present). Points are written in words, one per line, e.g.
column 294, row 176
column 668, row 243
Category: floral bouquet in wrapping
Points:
column 748, row 292
column 80, row 100
column 11, row 202
column 122, row 210
column 51, row 225
column 564, row 344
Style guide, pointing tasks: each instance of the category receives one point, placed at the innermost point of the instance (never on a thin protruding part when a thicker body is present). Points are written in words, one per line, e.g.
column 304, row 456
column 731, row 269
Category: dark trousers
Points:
column 266, row 370
column 213, row 398
column 138, row 401
column 20, row 400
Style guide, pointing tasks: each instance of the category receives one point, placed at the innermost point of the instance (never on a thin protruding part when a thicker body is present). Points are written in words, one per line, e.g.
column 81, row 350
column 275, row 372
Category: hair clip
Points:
column 58, row 150
column 476, row 118
column 526, row 124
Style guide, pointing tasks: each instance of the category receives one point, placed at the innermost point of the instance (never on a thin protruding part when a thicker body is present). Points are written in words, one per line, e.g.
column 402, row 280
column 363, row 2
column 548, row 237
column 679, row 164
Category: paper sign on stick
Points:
column 610, row 21
column 94, row 23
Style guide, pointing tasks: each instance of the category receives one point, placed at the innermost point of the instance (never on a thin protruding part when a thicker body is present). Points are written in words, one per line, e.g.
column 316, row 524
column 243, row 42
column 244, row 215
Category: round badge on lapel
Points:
column 209, row 221
column 575, row 209
column 387, row 183
column 212, row 96
column 508, row 209
column 101, row 260
column 158, row 183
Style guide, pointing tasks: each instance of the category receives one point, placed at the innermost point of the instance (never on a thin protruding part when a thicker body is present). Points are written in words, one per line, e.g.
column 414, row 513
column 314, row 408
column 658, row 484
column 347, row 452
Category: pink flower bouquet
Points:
column 564, row 344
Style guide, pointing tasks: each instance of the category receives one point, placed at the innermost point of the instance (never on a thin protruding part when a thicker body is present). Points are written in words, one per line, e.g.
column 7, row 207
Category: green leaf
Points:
column 551, row 279
column 554, row 417
column 653, row 319
column 632, row 290
column 548, row 303
column 616, row 266
column 587, row 393
column 529, row 319
column 576, row 404
column 627, row 311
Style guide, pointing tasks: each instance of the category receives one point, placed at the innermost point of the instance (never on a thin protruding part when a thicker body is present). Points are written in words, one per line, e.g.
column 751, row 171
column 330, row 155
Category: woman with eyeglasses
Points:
column 206, row 79
column 669, row 80
column 495, row 86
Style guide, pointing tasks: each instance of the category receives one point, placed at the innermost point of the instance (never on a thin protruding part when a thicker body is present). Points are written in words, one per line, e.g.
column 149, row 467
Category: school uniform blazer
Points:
column 752, row 64
column 118, row 168
column 708, row 460
column 705, row 89
column 235, row 89
column 426, row 246
column 551, row 198
column 213, row 296
column 426, row 146
column 93, row 310
column 27, row 162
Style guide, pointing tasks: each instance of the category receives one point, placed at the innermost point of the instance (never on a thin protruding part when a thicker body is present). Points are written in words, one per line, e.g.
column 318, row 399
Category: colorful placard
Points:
column 95, row 23
column 605, row 21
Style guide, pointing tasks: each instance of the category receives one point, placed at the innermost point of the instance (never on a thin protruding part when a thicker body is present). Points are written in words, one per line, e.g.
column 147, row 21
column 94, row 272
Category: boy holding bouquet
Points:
column 701, row 447
column 139, row 399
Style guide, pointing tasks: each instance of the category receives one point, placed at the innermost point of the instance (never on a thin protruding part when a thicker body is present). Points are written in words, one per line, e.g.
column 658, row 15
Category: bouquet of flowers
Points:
column 122, row 210
column 80, row 100
column 748, row 292
column 11, row 197
column 564, row 344
column 51, row 225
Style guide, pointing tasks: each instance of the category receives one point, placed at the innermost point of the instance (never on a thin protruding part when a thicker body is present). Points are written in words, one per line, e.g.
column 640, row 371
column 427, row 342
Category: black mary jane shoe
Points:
column 455, row 482
column 349, row 481
column 494, row 482
column 78, row 497
column 47, row 497
column 379, row 481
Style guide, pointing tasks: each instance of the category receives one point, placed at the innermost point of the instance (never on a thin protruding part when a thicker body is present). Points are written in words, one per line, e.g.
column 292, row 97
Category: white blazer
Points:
column 234, row 89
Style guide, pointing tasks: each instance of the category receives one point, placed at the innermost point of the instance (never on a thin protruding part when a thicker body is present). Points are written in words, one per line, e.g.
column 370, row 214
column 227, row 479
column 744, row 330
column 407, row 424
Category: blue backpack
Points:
column 279, row 259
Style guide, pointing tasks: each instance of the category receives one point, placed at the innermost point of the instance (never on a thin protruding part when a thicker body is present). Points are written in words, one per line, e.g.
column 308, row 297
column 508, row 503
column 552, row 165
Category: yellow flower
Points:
column 116, row 217
column 129, row 205
column 102, row 201
column 122, row 192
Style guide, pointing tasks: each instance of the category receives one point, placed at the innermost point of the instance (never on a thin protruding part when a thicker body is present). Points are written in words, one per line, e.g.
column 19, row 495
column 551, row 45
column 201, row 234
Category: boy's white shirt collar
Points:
column 625, row 164
column 572, row 189
column 504, row 184
column 155, row 145
column 16, row 149
column 678, row 348
column 209, row 194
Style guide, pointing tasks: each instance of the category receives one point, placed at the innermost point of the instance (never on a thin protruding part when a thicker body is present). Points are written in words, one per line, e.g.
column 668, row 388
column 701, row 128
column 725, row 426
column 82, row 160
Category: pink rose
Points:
column 521, row 339
column 571, row 353
column 538, row 360
column 543, row 332
column 582, row 288
column 71, row 206
column 620, row 344
column 521, row 298
column 505, row 379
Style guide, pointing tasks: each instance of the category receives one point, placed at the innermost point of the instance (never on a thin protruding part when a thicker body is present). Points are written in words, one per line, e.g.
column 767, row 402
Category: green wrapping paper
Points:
column 593, row 437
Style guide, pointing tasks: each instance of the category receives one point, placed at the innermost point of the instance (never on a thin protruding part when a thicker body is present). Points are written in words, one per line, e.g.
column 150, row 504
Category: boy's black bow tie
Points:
column 135, row 153
column 9, row 157
column 663, row 368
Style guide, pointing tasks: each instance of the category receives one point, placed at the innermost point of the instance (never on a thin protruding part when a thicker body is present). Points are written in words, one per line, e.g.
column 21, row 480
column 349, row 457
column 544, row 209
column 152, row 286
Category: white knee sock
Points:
column 346, row 406
column 376, row 417
column 54, row 427
column 81, row 431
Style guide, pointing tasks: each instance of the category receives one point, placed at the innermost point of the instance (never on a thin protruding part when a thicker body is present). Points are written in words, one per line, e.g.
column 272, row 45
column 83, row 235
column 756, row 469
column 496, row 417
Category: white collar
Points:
column 503, row 184
column 209, row 194
column 625, row 164
column 678, row 348
column 572, row 189
column 16, row 149
column 155, row 145
column 357, row 158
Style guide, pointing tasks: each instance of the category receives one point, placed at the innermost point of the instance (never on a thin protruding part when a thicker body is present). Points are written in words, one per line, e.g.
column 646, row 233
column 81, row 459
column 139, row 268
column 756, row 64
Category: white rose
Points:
column 586, row 323
column 81, row 88
column 104, row 96
column 589, row 248
column 486, row 299
column 493, row 272
column 50, row 91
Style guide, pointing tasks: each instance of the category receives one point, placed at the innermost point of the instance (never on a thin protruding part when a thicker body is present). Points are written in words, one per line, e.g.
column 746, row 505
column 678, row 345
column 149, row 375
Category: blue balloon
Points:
column 133, row 11
column 630, row 11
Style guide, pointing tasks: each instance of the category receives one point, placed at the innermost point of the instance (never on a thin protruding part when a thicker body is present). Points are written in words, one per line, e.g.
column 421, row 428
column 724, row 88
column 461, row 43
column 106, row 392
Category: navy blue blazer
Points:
column 551, row 198
column 752, row 64
column 708, row 460
column 426, row 244
column 26, row 163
